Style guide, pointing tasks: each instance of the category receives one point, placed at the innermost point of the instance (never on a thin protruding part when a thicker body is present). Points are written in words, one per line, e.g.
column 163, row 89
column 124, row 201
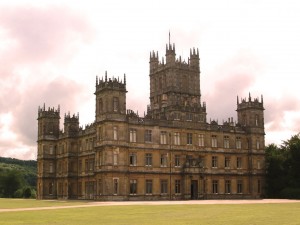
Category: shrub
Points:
column 291, row 193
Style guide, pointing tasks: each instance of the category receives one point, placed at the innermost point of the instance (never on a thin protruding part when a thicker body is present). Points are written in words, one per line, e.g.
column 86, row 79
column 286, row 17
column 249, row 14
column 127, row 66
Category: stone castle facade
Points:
column 172, row 152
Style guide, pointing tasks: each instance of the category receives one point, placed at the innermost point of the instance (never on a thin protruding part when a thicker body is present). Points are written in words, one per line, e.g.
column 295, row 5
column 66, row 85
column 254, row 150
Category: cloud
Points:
column 61, row 91
column 221, row 86
column 40, row 34
column 34, row 42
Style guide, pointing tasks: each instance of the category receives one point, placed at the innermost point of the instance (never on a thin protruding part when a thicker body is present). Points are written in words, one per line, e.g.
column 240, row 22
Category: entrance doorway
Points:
column 194, row 189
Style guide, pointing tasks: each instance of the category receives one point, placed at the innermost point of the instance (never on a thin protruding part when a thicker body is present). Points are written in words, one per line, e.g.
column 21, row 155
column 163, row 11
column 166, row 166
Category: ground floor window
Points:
column 164, row 186
column 116, row 185
column 227, row 186
column 239, row 186
column 215, row 187
column 133, row 187
column 177, row 187
column 148, row 186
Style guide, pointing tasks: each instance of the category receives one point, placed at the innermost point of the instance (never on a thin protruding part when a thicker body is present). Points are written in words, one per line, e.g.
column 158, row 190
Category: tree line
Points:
column 17, row 178
column 283, row 169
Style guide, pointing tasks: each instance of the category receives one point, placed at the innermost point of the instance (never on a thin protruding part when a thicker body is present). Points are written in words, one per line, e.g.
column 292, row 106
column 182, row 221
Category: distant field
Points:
column 248, row 214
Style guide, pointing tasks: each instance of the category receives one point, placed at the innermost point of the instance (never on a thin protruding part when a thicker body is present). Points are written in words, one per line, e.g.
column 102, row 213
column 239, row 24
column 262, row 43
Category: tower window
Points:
column 100, row 106
column 256, row 120
column 116, row 104
column 115, row 130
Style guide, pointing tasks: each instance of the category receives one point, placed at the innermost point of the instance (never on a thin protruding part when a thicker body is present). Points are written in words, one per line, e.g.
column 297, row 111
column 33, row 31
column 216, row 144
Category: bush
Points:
column 27, row 192
column 291, row 193
column 18, row 193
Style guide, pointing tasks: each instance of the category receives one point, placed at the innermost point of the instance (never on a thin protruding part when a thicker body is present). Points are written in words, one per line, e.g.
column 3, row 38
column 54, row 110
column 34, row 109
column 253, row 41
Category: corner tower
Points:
column 250, row 114
column 48, row 133
column 110, row 98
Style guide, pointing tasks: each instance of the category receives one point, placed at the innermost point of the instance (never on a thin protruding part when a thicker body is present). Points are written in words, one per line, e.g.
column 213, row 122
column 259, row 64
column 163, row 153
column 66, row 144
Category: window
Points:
column 116, row 104
column 132, row 159
column 115, row 129
column 116, row 185
column 201, row 140
column 51, row 150
column 115, row 159
column 226, row 141
column 258, row 164
column 163, row 137
column 51, row 188
column 227, row 162
column 189, row 138
column 86, row 165
column 189, row 116
column 239, row 162
column 256, row 120
column 177, row 160
column 227, row 186
column 164, row 186
column 163, row 160
column 100, row 133
column 148, row 135
column 132, row 135
column 214, row 162
column 214, row 143
column 91, row 164
column 238, row 143
column 100, row 187
column 176, row 116
column 100, row 106
column 176, row 138
column 177, row 187
column 148, row 159
column 148, row 187
column 215, row 187
column 80, row 166
column 133, row 187
column 257, row 144
column 239, row 186
column 51, row 167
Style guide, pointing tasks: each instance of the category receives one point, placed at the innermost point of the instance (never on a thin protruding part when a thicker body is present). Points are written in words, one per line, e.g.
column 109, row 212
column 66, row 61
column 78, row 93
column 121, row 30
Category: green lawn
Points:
column 12, row 203
column 248, row 214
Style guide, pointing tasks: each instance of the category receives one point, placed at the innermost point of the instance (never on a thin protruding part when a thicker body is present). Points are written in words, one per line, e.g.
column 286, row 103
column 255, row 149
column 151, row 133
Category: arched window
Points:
column 100, row 105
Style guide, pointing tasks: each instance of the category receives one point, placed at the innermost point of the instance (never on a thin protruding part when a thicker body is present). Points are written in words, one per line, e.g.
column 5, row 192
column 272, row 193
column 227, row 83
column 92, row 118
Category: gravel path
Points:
column 192, row 202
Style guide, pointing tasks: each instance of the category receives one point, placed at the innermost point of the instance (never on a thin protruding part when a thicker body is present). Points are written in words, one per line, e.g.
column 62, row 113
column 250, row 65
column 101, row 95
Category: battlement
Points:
column 255, row 103
column 110, row 84
column 194, row 53
column 71, row 119
column 50, row 112
column 170, row 48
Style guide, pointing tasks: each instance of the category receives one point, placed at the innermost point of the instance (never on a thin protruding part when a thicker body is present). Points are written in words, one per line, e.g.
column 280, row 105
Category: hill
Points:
column 17, row 174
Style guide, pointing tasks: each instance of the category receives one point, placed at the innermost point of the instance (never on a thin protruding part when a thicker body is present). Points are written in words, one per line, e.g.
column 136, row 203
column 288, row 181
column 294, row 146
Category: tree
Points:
column 10, row 182
column 283, row 169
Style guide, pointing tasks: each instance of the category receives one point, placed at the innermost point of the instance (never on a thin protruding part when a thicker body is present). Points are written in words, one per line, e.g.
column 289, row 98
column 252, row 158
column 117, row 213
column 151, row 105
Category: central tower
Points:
column 175, row 87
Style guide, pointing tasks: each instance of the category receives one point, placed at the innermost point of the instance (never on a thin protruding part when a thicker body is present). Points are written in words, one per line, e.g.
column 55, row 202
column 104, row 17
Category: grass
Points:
column 248, row 214
column 13, row 203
